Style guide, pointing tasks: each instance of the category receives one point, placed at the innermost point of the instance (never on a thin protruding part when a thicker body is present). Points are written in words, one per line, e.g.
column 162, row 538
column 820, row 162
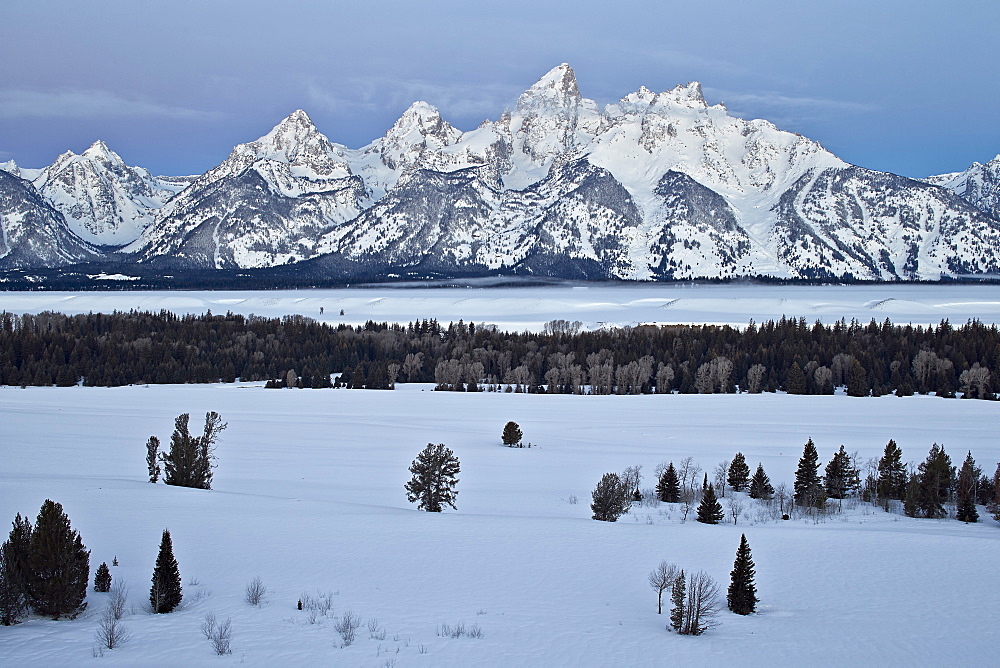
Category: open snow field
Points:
column 309, row 496
column 529, row 308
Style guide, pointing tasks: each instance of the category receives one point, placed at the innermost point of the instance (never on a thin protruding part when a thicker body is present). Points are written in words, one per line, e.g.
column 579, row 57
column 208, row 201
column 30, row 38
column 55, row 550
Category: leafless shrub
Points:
column 208, row 625
column 701, row 605
column 422, row 649
column 222, row 637
column 375, row 631
column 372, row 625
column 255, row 591
column 347, row 625
column 573, row 500
column 111, row 632
column 475, row 631
column 117, row 599
column 459, row 630
column 735, row 504
column 317, row 606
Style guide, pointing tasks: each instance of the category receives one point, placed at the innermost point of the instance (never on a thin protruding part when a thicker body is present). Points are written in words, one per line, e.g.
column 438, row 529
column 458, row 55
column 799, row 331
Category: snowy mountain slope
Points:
column 104, row 201
column 979, row 184
column 266, row 205
column 32, row 233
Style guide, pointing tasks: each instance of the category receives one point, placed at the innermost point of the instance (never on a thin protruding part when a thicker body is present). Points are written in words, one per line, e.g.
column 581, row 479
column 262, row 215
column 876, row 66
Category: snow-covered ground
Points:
column 529, row 308
column 309, row 496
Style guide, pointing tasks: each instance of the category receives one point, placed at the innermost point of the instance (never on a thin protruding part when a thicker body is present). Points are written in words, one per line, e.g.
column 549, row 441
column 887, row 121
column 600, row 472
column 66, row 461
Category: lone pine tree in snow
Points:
column 190, row 461
column 58, row 565
column 511, row 434
column 742, row 595
column 709, row 510
column 808, row 490
column 433, row 482
column 102, row 579
column 739, row 473
column 611, row 498
column 14, row 603
column 165, row 594
column 760, row 485
column 668, row 488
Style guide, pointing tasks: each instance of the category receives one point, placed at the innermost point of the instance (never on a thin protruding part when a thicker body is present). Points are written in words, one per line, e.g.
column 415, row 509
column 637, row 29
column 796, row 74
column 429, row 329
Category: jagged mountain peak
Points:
column 294, row 137
column 688, row 96
column 10, row 167
column 100, row 151
column 424, row 120
column 556, row 89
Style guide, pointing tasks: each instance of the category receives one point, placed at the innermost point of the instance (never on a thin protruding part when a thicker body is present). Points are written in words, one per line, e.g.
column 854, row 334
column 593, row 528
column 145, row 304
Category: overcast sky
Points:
column 904, row 86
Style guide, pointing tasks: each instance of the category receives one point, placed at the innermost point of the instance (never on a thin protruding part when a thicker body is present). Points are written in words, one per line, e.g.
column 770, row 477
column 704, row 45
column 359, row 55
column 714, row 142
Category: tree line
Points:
column 295, row 351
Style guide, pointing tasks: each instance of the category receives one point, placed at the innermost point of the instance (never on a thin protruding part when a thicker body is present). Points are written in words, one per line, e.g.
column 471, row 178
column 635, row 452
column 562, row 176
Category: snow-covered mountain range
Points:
column 655, row 186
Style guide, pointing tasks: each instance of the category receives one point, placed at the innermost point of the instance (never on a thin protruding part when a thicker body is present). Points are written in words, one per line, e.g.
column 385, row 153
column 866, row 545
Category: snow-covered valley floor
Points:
column 308, row 495
column 529, row 308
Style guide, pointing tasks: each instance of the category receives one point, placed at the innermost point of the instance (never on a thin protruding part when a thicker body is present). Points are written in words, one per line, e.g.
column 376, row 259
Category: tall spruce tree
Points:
column 808, row 491
column 678, row 602
column 937, row 477
column 841, row 479
column 742, row 595
column 760, row 485
column 709, row 510
column 892, row 475
column 14, row 570
column 965, row 488
column 668, row 488
column 739, row 473
column 166, row 593
column 58, row 565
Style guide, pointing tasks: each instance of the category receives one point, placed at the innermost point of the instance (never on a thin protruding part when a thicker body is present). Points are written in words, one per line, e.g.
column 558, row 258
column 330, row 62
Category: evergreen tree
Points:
column 58, row 565
column 512, row 434
column 995, row 505
column 742, row 596
column 611, row 498
column 796, row 381
column 102, row 580
column 677, row 603
column 968, row 478
column 14, row 571
column 433, row 482
column 892, row 473
column 153, row 458
column 669, row 486
column 739, row 473
column 911, row 499
column 709, row 510
column 841, row 477
column 807, row 487
column 165, row 594
column 936, row 476
column 760, row 485
column 857, row 381
column 189, row 462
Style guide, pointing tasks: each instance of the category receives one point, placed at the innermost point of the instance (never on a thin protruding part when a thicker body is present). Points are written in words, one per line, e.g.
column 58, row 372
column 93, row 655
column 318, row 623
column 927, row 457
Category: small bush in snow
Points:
column 347, row 625
column 255, row 591
column 111, row 632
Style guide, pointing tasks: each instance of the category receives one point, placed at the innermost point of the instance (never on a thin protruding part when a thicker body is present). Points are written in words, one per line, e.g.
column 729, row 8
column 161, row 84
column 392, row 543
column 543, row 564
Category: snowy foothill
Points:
column 308, row 496
column 519, row 308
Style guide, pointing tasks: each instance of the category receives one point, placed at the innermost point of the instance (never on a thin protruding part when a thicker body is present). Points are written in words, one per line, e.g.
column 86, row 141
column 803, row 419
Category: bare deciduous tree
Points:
column 111, row 632
column 117, row 599
column 701, row 606
column 661, row 579
column 735, row 504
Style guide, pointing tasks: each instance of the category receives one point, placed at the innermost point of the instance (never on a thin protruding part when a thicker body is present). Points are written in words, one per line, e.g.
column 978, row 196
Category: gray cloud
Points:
column 79, row 104
column 788, row 106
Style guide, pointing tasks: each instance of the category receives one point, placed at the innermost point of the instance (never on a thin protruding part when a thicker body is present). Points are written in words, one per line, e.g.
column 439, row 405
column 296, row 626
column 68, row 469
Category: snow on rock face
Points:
column 32, row 233
column 10, row 167
column 979, row 184
column 103, row 200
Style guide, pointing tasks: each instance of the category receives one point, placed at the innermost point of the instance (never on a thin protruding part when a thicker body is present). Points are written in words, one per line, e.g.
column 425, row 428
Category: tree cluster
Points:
column 190, row 459
column 45, row 568
column 295, row 351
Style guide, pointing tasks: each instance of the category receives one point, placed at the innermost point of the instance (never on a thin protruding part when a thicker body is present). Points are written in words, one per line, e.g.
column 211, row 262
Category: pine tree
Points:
column 190, row 460
column 796, row 380
column 709, row 510
column 611, row 498
column 165, row 594
column 433, row 482
column 739, row 473
column 512, row 434
column 841, row 478
column 677, row 602
column 742, row 596
column 760, row 485
column 892, row 473
column 58, row 565
column 968, row 478
column 995, row 505
column 669, row 486
column 936, row 476
column 153, row 458
column 911, row 498
column 807, row 487
column 102, row 580
column 14, row 570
